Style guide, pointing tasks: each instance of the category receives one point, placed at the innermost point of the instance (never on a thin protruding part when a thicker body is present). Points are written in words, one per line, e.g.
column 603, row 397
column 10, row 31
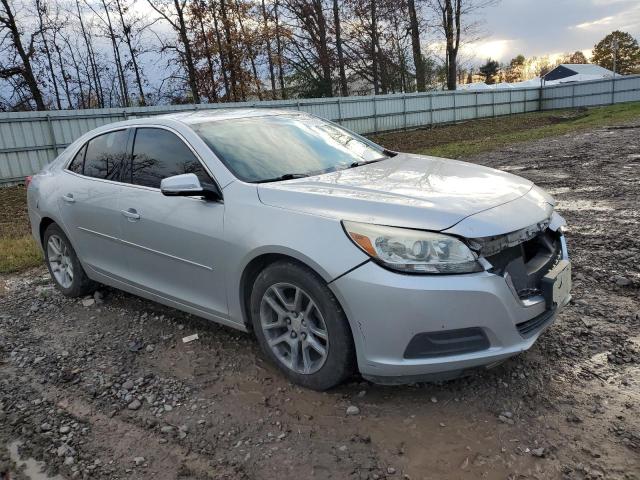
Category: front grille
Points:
column 534, row 325
column 524, row 265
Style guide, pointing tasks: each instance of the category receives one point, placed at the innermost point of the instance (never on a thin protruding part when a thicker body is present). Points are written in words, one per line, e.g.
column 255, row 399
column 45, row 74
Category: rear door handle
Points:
column 131, row 214
column 68, row 198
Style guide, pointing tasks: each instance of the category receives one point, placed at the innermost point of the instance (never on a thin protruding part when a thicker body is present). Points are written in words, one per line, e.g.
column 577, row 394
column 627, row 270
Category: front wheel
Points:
column 63, row 264
column 301, row 327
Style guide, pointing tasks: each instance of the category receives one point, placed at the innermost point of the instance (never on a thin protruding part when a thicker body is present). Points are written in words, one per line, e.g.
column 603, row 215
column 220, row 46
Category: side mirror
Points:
column 188, row 185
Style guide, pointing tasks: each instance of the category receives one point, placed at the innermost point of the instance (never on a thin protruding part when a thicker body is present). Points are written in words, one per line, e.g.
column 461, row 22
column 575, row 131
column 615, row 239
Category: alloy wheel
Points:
column 294, row 328
column 59, row 256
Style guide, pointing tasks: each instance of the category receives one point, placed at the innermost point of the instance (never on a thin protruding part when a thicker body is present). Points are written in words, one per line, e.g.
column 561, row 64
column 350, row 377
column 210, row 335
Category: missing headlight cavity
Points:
column 523, row 265
column 489, row 246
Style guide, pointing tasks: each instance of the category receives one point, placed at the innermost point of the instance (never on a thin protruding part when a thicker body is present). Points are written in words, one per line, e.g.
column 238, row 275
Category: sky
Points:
column 552, row 27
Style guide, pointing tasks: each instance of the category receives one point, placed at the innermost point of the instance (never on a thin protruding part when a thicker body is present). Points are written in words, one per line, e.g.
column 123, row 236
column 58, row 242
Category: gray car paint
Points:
column 191, row 254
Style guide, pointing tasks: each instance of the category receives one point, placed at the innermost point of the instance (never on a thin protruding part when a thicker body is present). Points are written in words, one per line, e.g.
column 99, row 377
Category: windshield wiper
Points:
column 366, row 162
column 286, row 176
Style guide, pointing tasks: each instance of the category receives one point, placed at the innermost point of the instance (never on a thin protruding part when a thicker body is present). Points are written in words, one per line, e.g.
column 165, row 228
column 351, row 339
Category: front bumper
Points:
column 387, row 309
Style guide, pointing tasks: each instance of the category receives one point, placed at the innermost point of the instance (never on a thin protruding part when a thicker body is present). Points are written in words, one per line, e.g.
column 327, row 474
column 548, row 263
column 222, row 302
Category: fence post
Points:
column 375, row 115
column 431, row 109
column 404, row 110
column 573, row 95
column 510, row 106
column 476, row 97
column 493, row 103
column 52, row 134
column 453, row 94
column 540, row 95
column 613, row 89
column 339, row 111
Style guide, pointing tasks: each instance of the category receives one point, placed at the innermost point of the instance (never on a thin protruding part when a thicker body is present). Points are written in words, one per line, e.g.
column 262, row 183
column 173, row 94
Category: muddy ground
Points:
column 105, row 388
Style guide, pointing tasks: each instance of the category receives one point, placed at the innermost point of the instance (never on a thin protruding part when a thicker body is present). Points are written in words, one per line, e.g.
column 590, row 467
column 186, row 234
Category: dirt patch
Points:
column 110, row 391
column 14, row 218
column 425, row 138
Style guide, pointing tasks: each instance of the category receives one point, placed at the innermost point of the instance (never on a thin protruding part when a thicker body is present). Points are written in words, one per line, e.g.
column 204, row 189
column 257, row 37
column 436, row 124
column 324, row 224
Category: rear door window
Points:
column 77, row 164
column 158, row 154
column 106, row 156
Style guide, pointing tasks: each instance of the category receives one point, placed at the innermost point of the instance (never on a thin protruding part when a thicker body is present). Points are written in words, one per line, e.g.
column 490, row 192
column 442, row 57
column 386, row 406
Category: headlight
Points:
column 413, row 251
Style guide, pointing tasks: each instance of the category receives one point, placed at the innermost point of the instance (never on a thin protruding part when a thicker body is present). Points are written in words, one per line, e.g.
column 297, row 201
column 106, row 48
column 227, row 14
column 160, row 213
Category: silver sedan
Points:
column 338, row 254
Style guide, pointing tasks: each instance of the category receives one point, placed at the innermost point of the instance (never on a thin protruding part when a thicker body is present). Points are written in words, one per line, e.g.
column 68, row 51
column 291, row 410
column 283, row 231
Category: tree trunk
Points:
column 283, row 91
column 269, row 53
column 47, row 52
column 191, row 71
column 92, row 62
column 344, row 90
column 223, row 63
column 25, row 57
column 323, row 50
column 250, row 51
column 229, row 50
column 124, row 91
column 63, row 72
column 212, row 93
column 132, row 54
column 374, row 52
column 451, row 33
column 414, row 25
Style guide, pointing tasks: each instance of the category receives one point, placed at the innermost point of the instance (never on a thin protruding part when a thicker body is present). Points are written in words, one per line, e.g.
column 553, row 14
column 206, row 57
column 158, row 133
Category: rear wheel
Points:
column 301, row 327
column 63, row 264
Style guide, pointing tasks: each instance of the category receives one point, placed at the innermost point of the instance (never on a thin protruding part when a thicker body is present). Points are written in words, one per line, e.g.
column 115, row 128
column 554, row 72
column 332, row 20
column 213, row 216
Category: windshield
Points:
column 272, row 147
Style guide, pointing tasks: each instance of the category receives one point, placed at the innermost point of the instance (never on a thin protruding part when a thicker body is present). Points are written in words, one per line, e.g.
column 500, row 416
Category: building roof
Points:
column 586, row 69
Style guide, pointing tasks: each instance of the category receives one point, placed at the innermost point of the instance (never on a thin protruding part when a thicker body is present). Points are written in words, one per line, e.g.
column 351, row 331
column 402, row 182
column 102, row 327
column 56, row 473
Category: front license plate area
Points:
column 556, row 285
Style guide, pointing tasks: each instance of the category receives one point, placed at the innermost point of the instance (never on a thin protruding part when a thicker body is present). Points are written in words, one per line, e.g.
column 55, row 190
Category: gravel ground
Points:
column 104, row 387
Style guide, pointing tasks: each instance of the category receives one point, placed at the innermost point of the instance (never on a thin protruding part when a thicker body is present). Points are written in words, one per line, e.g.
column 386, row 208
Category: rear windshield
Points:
column 258, row 149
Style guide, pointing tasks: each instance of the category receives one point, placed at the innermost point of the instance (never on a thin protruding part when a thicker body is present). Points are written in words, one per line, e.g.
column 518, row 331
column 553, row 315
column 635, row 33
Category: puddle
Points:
column 511, row 168
column 581, row 205
column 31, row 468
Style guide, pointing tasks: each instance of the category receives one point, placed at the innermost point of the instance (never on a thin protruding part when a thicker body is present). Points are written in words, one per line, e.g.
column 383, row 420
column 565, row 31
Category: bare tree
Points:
column 267, row 38
column 283, row 91
column 455, row 19
column 418, row 59
column 127, row 25
column 42, row 18
column 21, row 57
column 344, row 90
column 175, row 14
column 91, row 56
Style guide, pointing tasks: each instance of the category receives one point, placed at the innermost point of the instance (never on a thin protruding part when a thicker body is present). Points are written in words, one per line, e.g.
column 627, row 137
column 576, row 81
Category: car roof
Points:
column 208, row 115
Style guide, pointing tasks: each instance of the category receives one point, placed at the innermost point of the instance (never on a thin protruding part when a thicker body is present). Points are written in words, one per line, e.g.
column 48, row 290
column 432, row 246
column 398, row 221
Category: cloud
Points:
column 595, row 23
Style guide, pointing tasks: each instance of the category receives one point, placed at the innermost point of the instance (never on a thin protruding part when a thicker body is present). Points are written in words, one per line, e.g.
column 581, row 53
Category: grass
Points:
column 477, row 136
column 18, row 249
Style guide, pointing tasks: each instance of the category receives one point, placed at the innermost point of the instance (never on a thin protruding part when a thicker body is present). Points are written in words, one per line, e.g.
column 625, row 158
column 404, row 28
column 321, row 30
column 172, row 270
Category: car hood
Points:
column 412, row 191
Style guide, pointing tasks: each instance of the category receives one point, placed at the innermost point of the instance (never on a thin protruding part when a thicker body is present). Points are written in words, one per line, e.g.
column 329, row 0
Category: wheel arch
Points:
column 257, row 264
column 44, row 224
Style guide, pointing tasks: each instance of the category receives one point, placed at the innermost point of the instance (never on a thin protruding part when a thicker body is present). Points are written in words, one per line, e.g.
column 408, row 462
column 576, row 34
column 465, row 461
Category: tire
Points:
column 305, row 322
column 79, row 284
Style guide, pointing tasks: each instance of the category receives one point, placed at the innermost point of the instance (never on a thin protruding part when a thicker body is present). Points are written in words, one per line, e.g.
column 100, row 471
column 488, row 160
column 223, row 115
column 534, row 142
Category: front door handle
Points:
column 131, row 214
column 68, row 198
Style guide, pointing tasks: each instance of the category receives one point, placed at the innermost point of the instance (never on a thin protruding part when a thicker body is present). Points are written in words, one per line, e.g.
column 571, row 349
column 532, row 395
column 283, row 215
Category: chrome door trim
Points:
column 132, row 244
column 158, row 252
column 103, row 235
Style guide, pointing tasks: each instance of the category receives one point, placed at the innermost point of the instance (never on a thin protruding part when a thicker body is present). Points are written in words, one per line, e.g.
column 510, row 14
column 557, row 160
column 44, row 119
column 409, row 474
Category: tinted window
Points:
column 106, row 155
column 77, row 163
column 159, row 154
column 267, row 147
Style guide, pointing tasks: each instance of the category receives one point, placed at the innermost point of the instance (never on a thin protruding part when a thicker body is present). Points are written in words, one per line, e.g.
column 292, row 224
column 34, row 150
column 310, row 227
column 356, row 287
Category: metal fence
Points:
column 29, row 140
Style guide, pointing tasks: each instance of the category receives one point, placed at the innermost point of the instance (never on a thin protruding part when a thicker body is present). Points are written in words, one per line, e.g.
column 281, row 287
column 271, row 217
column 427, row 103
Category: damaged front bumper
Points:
column 411, row 328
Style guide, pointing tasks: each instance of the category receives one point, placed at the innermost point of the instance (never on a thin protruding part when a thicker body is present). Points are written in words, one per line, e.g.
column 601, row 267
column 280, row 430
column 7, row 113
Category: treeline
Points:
column 74, row 54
